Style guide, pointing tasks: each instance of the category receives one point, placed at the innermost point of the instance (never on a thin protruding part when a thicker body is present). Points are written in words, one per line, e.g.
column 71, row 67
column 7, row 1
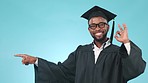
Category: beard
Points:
column 103, row 38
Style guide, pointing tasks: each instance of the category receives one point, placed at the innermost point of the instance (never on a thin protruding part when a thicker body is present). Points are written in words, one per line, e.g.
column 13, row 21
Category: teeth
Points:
column 98, row 34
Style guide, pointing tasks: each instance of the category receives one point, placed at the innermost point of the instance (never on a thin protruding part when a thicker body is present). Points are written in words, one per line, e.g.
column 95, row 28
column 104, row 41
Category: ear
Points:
column 108, row 27
column 88, row 29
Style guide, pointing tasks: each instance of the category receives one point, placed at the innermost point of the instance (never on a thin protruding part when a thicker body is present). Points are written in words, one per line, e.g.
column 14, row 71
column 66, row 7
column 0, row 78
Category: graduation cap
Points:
column 98, row 11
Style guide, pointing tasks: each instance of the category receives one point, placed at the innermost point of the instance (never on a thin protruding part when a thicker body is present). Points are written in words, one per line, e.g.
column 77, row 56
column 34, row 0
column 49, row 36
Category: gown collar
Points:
column 104, row 45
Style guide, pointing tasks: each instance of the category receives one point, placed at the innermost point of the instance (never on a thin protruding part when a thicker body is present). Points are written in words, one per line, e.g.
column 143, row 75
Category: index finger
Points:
column 20, row 55
column 120, row 27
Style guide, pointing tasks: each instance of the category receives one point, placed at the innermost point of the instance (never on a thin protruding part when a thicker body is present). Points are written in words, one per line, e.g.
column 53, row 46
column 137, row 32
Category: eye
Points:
column 93, row 26
column 101, row 24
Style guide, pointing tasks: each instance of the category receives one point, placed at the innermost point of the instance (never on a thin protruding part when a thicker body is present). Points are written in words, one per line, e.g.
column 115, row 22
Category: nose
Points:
column 97, row 27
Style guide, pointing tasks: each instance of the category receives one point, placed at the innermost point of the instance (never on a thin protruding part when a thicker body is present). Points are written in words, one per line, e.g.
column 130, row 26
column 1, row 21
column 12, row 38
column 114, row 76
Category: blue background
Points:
column 52, row 29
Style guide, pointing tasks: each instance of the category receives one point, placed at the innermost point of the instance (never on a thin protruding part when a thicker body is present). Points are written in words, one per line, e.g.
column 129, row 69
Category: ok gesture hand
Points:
column 122, row 34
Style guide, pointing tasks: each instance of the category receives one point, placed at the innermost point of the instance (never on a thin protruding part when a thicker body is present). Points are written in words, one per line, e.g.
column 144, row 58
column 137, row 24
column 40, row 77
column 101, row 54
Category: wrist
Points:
column 126, row 41
column 34, row 59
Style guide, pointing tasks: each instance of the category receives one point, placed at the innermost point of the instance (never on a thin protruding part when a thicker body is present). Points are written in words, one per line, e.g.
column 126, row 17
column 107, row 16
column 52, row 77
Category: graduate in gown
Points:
column 97, row 62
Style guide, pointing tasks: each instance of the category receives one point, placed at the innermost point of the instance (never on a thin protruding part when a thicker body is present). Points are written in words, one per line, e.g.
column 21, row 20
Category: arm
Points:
column 52, row 73
column 132, row 62
column 132, row 65
column 48, row 72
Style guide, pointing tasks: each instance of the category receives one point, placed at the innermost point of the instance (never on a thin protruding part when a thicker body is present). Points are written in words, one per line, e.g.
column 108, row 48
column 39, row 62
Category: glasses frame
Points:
column 100, row 25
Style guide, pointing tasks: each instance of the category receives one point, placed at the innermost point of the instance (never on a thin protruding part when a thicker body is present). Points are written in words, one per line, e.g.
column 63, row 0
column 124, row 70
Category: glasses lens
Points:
column 93, row 26
column 101, row 25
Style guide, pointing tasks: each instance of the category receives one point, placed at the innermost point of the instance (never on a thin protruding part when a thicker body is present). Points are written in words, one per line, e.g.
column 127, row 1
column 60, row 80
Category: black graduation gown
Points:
column 114, row 65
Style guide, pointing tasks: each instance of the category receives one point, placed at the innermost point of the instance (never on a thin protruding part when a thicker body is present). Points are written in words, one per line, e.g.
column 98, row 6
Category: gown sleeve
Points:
column 48, row 72
column 132, row 65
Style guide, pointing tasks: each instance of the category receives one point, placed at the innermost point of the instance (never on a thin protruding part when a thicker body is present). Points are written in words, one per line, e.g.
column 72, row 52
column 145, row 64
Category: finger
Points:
column 24, row 56
column 118, row 33
column 124, row 25
column 20, row 55
column 25, row 61
column 27, row 64
column 120, row 27
column 116, row 36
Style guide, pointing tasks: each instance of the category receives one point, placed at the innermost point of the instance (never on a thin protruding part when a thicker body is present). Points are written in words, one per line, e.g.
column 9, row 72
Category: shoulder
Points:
column 112, row 48
column 89, row 47
column 86, row 47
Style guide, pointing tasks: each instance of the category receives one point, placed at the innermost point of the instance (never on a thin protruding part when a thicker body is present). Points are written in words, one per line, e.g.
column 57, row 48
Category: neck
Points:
column 99, row 43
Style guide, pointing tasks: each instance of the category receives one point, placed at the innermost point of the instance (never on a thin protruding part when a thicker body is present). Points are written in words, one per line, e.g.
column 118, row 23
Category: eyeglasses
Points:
column 100, row 25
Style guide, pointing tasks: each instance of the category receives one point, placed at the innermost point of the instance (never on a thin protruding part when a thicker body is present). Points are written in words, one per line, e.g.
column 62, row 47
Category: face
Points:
column 98, row 28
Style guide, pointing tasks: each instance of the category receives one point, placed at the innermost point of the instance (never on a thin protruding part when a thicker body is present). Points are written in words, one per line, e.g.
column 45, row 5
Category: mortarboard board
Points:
column 98, row 11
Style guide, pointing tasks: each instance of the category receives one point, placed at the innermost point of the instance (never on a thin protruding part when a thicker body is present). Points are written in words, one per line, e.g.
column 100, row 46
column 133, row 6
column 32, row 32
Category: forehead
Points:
column 97, row 20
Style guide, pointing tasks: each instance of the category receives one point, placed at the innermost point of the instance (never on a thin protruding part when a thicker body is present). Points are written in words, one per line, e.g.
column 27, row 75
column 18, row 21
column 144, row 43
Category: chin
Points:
column 100, row 39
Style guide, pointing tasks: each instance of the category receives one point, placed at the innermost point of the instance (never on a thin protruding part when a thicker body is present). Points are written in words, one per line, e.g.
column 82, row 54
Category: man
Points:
column 98, row 62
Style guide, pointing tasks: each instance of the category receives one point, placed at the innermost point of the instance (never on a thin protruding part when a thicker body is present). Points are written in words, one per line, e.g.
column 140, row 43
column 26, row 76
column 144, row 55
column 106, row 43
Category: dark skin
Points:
column 98, row 34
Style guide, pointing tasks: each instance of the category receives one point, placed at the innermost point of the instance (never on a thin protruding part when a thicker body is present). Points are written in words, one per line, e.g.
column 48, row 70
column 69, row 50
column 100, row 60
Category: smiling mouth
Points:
column 99, row 34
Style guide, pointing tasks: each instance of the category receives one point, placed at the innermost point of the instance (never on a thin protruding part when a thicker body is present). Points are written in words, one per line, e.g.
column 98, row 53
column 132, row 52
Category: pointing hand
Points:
column 27, row 59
